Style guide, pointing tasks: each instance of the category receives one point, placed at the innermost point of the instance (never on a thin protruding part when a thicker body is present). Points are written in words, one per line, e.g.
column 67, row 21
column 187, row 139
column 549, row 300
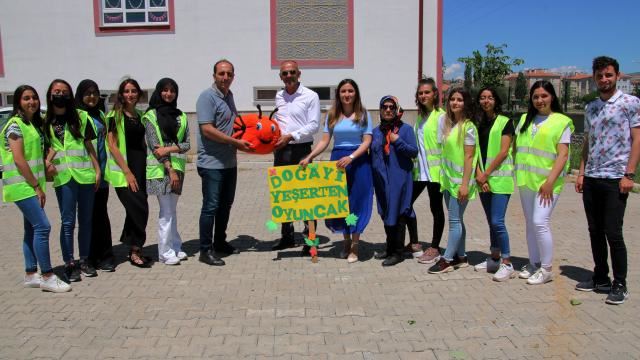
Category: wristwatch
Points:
column 629, row 176
column 351, row 157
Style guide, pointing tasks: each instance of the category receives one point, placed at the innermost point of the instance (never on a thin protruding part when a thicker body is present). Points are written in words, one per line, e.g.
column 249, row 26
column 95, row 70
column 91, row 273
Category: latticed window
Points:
column 312, row 32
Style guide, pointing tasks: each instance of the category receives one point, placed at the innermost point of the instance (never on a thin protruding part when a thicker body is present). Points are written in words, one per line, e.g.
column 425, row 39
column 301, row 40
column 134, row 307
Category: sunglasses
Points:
column 388, row 107
column 290, row 72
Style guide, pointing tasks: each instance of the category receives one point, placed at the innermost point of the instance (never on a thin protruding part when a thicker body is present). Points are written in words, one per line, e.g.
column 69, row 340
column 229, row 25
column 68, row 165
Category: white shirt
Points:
column 423, row 166
column 298, row 114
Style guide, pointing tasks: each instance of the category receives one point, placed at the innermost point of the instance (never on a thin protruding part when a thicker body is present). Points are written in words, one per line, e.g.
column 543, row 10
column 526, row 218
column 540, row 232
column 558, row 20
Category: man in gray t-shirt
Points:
column 217, row 163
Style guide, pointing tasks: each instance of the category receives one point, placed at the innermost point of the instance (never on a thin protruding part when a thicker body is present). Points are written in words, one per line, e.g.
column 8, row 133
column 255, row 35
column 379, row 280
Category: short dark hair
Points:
column 602, row 62
column 223, row 61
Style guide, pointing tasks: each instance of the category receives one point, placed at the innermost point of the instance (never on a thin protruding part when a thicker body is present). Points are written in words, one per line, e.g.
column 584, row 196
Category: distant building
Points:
column 579, row 85
column 533, row 75
column 624, row 83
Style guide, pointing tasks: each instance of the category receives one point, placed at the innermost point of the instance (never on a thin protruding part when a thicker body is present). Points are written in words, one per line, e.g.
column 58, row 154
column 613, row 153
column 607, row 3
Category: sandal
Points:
column 136, row 259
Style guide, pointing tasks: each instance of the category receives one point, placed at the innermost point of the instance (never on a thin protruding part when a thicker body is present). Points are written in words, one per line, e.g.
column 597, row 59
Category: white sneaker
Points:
column 527, row 271
column 182, row 255
column 504, row 273
column 54, row 284
column 489, row 265
column 540, row 277
column 32, row 281
column 173, row 260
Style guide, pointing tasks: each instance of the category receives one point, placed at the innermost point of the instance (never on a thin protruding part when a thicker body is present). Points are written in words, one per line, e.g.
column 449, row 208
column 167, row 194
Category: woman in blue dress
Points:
column 350, row 125
column 392, row 151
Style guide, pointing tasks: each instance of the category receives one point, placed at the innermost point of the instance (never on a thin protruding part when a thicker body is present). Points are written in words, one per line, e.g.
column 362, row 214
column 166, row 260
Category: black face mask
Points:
column 60, row 101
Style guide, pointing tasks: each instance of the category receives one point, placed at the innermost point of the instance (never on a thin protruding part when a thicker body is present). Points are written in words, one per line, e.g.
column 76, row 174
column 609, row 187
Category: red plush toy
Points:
column 261, row 132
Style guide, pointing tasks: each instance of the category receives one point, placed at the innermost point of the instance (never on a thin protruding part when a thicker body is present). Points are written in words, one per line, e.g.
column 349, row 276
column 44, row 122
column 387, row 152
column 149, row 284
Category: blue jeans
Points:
column 457, row 231
column 72, row 196
column 35, row 244
column 495, row 208
column 218, row 192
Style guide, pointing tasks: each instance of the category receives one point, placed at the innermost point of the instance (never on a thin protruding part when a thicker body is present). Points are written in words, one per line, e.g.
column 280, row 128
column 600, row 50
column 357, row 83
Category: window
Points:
column 314, row 33
column 1, row 58
column 121, row 16
column 266, row 95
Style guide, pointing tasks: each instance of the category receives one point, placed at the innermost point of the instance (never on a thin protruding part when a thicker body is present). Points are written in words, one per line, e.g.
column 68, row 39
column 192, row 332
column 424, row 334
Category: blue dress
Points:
column 347, row 137
column 392, row 174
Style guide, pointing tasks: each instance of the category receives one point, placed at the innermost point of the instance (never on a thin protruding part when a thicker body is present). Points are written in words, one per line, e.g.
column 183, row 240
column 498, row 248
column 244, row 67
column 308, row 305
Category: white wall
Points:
column 43, row 40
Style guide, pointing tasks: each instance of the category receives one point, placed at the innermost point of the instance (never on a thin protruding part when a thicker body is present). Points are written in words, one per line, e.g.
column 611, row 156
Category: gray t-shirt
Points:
column 213, row 107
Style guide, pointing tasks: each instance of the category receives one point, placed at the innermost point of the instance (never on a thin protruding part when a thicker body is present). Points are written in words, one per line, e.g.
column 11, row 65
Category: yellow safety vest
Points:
column 14, row 185
column 113, row 173
column 431, row 146
column 155, row 169
column 536, row 154
column 72, row 159
column 452, row 169
column 501, row 179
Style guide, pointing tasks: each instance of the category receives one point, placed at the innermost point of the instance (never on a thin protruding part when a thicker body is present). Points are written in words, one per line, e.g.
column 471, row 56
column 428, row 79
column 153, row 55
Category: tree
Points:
column 491, row 68
column 467, row 77
column 590, row 97
column 520, row 91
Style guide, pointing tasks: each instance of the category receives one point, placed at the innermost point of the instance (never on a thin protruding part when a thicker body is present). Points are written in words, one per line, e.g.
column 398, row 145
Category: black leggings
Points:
column 437, row 210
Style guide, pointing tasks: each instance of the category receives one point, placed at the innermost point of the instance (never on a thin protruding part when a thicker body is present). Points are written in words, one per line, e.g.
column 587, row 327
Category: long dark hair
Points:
column 336, row 109
column 532, row 111
column 70, row 113
column 436, row 98
column 19, row 111
column 118, row 105
column 84, row 86
column 497, row 108
column 166, row 113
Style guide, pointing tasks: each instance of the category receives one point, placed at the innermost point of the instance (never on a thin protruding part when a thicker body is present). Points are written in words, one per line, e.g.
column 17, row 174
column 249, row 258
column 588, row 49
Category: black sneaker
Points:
column 87, row 269
column 106, row 265
column 590, row 285
column 72, row 272
column 617, row 295
column 392, row 260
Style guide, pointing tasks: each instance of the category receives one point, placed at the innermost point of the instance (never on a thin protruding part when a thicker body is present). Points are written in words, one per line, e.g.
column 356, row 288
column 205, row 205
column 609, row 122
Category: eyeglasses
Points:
column 289, row 72
column 388, row 107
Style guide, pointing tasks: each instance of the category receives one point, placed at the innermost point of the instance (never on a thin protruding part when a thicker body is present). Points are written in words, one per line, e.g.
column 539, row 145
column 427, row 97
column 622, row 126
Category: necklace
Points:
column 140, row 4
column 110, row 5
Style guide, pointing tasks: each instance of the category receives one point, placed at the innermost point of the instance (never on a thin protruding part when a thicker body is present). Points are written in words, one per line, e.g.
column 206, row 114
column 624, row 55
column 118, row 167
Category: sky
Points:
column 560, row 35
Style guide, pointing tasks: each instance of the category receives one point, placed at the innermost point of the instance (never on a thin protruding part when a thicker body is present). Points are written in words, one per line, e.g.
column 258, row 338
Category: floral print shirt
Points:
column 609, row 124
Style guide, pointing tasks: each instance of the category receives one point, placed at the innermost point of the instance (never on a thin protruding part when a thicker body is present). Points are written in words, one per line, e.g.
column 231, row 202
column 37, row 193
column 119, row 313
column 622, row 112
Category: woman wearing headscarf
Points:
column 392, row 150
column 100, row 251
column 167, row 135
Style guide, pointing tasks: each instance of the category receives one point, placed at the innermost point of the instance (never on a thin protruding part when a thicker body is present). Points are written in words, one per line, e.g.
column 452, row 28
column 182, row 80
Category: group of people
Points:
column 457, row 152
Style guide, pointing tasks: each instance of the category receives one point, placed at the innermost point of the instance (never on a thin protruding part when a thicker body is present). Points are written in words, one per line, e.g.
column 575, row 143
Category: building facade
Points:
column 382, row 45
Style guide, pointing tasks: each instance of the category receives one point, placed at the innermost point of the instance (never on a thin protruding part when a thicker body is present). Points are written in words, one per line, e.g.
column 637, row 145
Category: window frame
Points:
column 272, row 101
column 139, row 28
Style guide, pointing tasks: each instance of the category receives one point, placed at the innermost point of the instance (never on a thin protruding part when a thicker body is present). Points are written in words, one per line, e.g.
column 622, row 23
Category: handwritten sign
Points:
column 317, row 192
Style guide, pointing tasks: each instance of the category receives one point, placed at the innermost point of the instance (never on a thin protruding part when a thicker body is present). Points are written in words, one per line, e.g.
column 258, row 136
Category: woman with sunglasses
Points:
column 350, row 125
column 167, row 134
column 71, row 161
column 100, row 252
column 392, row 151
column 23, row 182
column 127, row 166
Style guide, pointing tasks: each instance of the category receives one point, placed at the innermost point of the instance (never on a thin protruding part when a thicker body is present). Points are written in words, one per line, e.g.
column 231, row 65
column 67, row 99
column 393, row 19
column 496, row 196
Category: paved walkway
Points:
column 265, row 304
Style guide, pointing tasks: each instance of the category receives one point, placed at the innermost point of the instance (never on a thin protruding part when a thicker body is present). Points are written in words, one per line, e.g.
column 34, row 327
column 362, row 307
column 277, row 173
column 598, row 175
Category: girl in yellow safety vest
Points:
column 101, row 252
column 458, row 137
column 426, row 172
column 167, row 135
column 71, row 161
column 494, row 176
column 23, row 181
column 542, row 150
column 126, row 168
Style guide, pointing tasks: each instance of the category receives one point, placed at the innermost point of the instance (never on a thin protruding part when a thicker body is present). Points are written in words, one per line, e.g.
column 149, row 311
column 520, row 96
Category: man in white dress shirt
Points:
column 298, row 117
